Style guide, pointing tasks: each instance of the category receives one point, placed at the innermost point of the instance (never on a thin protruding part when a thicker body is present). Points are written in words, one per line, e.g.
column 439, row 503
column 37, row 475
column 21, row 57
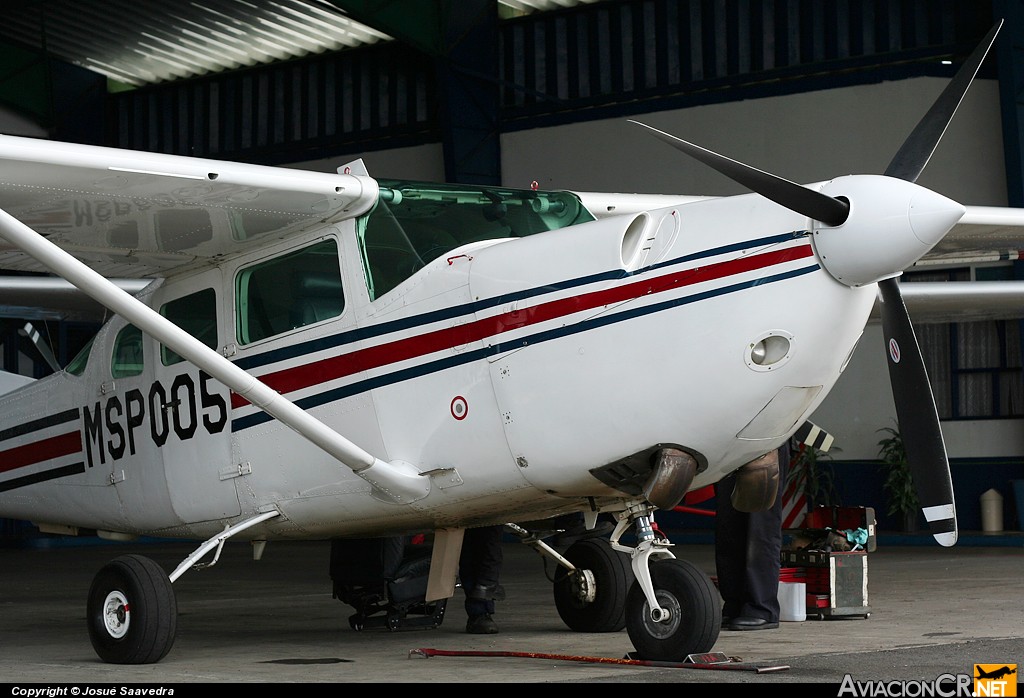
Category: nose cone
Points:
column 932, row 216
column 892, row 224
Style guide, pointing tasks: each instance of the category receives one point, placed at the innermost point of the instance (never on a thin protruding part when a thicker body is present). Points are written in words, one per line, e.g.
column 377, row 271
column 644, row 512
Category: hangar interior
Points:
column 520, row 91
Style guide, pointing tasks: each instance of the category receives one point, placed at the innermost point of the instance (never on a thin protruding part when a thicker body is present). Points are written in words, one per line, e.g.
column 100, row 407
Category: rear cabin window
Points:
column 127, row 358
column 414, row 223
column 196, row 314
column 298, row 289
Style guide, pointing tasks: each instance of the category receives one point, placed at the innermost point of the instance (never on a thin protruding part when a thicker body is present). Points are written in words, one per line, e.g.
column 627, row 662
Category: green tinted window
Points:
column 76, row 366
column 127, row 358
column 197, row 315
column 414, row 223
column 297, row 289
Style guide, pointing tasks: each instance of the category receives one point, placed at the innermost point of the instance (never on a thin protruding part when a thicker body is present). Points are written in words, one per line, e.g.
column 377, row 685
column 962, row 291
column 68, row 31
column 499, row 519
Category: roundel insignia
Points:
column 894, row 351
column 459, row 407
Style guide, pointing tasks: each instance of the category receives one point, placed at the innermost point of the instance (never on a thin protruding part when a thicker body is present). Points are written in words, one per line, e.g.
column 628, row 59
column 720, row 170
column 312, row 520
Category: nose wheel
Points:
column 687, row 618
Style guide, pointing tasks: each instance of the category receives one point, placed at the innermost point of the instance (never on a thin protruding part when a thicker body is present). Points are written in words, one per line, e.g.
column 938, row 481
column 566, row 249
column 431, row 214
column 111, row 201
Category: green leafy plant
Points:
column 815, row 469
column 899, row 482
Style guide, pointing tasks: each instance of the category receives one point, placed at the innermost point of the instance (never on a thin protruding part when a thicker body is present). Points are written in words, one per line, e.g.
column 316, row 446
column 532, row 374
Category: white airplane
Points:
column 329, row 356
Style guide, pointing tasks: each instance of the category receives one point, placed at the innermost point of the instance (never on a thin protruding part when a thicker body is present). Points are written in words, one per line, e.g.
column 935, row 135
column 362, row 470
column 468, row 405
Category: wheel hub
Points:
column 584, row 589
column 660, row 615
column 663, row 622
column 116, row 614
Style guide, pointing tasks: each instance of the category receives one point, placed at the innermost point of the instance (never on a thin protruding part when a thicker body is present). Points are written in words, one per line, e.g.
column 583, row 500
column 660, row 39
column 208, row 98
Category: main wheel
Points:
column 592, row 599
column 132, row 612
column 694, row 616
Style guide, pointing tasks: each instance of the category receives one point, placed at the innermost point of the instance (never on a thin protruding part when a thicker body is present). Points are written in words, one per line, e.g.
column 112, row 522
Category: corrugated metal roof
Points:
column 140, row 42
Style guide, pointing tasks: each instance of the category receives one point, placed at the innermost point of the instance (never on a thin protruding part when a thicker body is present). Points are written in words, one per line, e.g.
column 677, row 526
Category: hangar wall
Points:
column 14, row 124
column 806, row 137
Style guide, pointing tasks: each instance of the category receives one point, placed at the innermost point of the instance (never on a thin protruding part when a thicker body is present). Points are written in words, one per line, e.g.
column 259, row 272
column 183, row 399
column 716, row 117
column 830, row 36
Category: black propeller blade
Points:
column 793, row 196
column 911, row 389
column 917, row 416
column 917, row 149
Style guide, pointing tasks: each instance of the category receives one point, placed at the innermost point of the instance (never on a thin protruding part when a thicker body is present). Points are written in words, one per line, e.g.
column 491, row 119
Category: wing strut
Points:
column 397, row 482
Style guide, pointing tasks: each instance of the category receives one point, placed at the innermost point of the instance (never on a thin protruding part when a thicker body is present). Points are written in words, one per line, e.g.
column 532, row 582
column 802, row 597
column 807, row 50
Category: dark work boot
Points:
column 481, row 625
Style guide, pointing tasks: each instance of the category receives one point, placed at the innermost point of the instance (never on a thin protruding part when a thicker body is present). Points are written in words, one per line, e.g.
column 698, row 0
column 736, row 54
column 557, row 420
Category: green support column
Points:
column 468, row 85
column 461, row 38
column 65, row 101
column 1009, row 50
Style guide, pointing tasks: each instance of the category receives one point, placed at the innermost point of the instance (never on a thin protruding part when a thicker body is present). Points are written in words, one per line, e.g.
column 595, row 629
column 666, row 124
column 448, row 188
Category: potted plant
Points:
column 899, row 482
column 812, row 470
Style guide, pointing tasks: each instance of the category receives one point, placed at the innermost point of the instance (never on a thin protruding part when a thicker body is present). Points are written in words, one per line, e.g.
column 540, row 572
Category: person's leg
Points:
column 730, row 550
column 764, row 540
column 761, row 577
column 479, row 573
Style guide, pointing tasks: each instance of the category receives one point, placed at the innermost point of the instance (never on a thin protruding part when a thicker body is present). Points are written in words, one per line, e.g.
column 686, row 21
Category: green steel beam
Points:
column 63, row 99
column 1010, row 54
column 25, row 83
column 461, row 37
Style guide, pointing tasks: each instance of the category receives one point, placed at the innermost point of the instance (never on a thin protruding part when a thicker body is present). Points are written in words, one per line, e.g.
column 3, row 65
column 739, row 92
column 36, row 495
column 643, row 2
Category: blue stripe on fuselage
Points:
column 472, row 308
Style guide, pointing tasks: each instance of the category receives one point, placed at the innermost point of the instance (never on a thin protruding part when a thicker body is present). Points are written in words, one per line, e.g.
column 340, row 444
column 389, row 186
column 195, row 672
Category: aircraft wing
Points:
column 53, row 298
column 961, row 301
column 129, row 214
column 984, row 234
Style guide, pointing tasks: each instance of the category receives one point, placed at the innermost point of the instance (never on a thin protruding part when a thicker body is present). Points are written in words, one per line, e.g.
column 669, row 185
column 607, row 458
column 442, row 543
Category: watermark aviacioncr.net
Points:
column 988, row 680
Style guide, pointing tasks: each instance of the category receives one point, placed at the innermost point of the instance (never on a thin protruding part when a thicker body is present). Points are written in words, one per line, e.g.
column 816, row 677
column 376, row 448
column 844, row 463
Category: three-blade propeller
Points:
column 912, row 394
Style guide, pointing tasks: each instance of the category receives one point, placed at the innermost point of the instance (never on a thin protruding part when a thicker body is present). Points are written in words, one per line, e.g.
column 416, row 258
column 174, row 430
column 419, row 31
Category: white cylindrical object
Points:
column 991, row 512
column 792, row 601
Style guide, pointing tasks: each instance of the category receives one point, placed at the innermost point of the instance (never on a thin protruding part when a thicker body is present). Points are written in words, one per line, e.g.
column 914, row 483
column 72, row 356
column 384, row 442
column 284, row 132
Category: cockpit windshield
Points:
column 415, row 222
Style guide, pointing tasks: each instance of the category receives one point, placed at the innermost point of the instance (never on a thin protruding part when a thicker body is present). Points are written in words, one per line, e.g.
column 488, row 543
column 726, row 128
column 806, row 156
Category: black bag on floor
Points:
column 385, row 581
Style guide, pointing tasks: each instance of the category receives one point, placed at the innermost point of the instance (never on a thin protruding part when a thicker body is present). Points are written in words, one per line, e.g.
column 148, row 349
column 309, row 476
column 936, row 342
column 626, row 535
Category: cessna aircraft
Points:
column 330, row 356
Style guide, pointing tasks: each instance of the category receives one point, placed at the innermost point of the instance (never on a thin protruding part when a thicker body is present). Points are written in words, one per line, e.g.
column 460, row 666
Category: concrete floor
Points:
column 933, row 611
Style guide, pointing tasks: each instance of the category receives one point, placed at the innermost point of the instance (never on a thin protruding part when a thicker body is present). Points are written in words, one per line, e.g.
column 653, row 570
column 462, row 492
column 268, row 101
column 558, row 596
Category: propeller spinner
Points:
column 905, row 236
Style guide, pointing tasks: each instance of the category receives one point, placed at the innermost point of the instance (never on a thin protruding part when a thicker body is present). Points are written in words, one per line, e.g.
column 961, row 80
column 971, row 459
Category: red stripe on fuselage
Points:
column 37, row 452
column 299, row 377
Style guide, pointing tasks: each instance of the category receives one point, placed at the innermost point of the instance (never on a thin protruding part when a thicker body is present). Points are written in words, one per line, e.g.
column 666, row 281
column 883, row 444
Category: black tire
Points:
column 696, row 617
column 132, row 612
column 612, row 574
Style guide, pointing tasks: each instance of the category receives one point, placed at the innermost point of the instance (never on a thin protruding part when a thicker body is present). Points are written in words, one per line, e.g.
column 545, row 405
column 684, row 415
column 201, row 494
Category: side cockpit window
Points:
column 195, row 313
column 127, row 358
column 294, row 290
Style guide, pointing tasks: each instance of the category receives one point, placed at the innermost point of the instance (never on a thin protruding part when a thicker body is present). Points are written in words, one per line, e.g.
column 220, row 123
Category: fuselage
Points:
column 526, row 374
